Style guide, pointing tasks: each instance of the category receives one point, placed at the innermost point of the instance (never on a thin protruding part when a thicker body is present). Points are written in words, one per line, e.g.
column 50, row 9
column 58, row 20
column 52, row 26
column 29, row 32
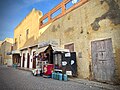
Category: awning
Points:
column 41, row 49
column 59, row 49
column 16, row 52
column 55, row 49
column 9, row 53
column 24, row 48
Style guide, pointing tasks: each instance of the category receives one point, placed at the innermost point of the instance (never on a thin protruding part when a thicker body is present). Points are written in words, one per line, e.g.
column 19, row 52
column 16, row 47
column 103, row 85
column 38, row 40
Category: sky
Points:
column 12, row 12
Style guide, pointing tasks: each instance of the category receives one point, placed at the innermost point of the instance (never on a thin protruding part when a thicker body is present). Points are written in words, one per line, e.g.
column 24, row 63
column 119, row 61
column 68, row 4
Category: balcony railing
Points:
column 60, row 10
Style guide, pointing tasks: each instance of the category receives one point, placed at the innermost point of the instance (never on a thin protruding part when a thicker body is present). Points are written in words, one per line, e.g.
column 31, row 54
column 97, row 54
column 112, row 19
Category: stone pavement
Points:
column 15, row 79
column 87, row 82
column 96, row 84
column 25, row 69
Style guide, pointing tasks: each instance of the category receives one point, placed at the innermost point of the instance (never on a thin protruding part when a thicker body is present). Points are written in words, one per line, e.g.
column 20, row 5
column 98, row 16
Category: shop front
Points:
column 16, row 58
column 56, row 59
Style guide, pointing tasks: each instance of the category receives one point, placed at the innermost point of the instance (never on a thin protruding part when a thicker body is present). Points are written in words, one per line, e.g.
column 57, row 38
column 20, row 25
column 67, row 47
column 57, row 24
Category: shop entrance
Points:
column 34, row 60
column 46, row 54
column 16, row 59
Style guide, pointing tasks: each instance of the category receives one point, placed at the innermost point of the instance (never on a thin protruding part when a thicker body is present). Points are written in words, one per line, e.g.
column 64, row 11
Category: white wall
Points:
column 9, row 62
column 25, row 63
column 31, row 57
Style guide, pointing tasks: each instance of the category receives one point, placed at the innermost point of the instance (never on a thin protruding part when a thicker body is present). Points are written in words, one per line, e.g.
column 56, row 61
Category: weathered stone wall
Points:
column 31, row 23
column 5, row 48
column 78, row 27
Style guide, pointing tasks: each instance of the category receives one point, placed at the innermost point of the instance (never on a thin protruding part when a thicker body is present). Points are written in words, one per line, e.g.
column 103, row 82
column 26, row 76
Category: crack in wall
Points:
column 112, row 14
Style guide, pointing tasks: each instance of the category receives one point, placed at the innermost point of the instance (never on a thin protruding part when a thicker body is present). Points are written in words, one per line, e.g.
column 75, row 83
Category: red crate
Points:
column 48, row 69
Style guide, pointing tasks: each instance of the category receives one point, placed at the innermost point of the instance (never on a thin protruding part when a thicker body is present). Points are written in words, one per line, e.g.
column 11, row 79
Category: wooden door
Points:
column 28, row 60
column 103, row 60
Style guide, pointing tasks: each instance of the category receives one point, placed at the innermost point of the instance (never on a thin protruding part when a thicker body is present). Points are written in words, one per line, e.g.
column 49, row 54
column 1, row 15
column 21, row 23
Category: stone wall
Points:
column 6, row 48
column 30, row 23
column 78, row 27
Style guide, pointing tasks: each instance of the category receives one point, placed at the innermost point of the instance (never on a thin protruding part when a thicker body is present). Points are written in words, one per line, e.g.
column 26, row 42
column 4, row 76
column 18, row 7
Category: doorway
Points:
column 28, row 60
column 23, row 60
column 102, row 60
column 34, row 60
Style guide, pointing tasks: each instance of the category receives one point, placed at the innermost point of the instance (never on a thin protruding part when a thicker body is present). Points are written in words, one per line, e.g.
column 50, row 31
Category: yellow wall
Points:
column 31, row 22
column 5, row 48
column 0, row 48
column 75, row 27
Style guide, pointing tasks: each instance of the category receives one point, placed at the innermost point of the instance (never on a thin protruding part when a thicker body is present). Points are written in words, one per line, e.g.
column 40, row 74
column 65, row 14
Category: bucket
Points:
column 65, row 77
column 54, row 76
column 15, row 66
column 60, row 76
column 57, row 75
column 53, row 73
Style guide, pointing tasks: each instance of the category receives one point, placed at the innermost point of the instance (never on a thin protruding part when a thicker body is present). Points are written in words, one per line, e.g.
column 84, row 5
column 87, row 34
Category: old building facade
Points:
column 25, row 39
column 88, row 27
column 6, row 57
column 91, row 29
column 1, row 62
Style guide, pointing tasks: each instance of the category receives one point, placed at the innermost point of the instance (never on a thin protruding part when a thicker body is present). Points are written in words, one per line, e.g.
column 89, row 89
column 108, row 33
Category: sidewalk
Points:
column 22, row 68
column 86, row 82
column 25, row 69
column 96, row 84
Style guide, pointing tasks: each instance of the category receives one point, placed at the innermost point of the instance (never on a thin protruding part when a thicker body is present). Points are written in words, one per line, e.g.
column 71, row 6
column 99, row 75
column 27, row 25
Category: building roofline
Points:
column 28, row 47
column 40, row 12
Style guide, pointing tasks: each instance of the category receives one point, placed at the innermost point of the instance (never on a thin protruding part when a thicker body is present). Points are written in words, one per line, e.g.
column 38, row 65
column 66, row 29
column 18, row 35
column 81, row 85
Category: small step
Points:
column 45, row 76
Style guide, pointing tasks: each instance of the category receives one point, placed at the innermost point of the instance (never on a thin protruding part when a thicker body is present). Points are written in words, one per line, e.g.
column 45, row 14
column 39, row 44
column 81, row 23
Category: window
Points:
column 34, row 52
column 45, row 20
column 20, row 38
column 71, row 3
column 27, row 32
column 56, row 13
column 15, row 40
column 70, row 47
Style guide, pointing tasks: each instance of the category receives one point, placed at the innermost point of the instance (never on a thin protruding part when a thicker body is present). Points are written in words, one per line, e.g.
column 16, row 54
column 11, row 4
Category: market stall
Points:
column 53, row 59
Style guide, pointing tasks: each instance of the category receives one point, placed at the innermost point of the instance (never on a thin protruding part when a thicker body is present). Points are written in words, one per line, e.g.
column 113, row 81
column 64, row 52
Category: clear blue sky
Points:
column 12, row 12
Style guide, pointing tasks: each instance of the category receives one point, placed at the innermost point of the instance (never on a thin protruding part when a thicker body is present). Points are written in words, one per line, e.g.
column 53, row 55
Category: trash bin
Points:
column 15, row 66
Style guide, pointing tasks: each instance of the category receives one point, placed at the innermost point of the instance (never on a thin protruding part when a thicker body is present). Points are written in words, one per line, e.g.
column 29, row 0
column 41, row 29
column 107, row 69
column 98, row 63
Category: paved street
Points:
column 14, row 79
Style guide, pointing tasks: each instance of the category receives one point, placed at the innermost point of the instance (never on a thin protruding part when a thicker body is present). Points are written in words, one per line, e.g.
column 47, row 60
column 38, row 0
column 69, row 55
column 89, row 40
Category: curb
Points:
column 24, row 69
column 96, row 84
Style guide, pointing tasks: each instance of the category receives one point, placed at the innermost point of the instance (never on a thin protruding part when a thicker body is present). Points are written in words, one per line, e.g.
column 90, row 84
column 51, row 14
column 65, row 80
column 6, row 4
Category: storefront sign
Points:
column 64, row 63
column 43, row 44
column 54, row 42
column 72, row 62
column 67, row 55
column 49, row 42
column 9, row 53
column 69, row 72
